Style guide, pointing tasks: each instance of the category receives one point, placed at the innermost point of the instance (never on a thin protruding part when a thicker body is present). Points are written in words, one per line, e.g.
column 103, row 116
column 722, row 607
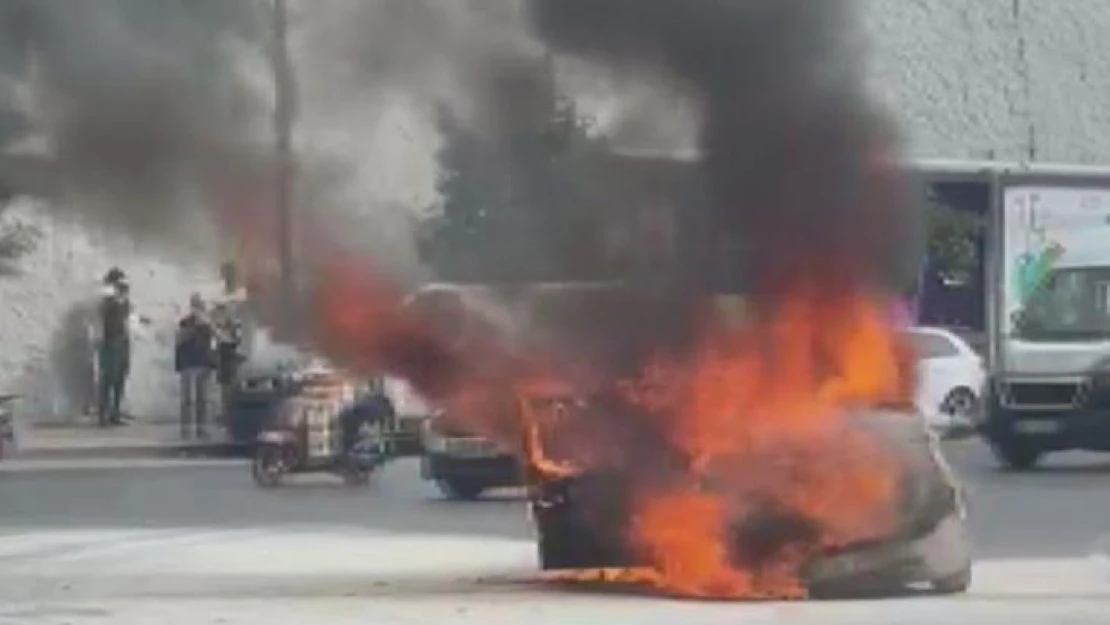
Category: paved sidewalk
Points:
column 146, row 440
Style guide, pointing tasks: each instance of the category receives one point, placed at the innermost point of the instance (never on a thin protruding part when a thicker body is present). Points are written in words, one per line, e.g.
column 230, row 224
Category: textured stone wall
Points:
column 37, row 353
column 1004, row 79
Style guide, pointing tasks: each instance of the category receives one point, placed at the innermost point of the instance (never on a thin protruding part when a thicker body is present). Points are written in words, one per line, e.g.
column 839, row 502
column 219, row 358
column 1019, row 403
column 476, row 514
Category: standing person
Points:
column 114, row 347
column 231, row 335
column 194, row 359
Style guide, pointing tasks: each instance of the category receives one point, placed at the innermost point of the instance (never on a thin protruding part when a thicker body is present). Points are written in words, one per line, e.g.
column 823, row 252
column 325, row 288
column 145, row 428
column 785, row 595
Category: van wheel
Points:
column 1016, row 456
column 468, row 490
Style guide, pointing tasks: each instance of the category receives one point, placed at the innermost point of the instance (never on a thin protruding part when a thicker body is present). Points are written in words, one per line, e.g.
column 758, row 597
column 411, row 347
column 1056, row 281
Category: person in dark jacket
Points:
column 229, row 318
column 114, row 348
column 194, row 361
column 375, row 407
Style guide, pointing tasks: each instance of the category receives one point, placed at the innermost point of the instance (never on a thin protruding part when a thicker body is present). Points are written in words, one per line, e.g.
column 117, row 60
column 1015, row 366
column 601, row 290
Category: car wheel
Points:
column 961, row 404
column 1016, row 456
column 268, row 466
column 460, row 489
column 953, row 584
column 357, row 476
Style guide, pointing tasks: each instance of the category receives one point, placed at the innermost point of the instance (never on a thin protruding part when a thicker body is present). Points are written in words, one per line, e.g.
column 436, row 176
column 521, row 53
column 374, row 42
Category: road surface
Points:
column 135, row 542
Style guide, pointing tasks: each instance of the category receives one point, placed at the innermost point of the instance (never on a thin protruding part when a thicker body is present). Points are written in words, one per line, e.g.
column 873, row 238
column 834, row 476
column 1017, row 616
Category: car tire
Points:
column 461, row 489
column 1016, row 456
column 953, row 584
column 357, row 476
column 268, row 466
column 961, row 403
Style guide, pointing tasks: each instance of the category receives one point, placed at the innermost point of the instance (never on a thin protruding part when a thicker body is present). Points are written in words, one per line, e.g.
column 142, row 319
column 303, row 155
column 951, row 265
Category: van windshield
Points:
column 1072, row 304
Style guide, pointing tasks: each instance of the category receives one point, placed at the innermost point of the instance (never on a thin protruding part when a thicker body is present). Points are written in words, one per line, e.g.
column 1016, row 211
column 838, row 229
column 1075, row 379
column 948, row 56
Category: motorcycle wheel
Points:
column 357, row 476
column 268, row 466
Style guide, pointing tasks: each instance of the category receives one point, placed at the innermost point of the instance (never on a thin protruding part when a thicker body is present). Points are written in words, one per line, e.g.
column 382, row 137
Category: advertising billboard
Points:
column 1055, row 265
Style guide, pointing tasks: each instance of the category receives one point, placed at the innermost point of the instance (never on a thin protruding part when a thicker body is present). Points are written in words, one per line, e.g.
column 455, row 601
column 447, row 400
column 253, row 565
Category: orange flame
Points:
column 760, row 413
column 764, row 413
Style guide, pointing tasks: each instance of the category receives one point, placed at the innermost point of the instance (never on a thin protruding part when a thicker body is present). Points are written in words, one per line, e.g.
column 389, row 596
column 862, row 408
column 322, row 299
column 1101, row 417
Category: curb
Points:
column 183, row 450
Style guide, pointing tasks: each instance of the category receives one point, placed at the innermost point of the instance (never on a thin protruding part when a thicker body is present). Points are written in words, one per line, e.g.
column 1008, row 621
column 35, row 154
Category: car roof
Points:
column 963, row 343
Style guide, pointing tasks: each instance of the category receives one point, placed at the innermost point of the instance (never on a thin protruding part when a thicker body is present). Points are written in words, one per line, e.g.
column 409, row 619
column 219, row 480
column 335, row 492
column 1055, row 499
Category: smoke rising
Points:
column 468, row 57
column 790, row 144
column 142, row 105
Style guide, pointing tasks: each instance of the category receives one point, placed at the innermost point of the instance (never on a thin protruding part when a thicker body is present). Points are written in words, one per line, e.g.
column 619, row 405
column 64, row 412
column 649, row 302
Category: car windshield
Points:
column 1072, row 304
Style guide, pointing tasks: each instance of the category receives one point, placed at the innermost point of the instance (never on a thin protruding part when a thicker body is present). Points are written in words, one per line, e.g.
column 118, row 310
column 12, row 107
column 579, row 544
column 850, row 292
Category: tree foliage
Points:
column 523, row 208
column 953, row 243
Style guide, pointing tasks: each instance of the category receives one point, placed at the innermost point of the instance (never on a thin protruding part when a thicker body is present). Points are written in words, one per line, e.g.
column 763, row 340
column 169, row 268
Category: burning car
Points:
column 739, row 475
column 803, row 474
column 584, row 520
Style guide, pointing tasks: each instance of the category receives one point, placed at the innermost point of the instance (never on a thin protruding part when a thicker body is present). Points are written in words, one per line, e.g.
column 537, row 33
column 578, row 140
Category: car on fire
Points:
column 583, row 515
column 583, row 519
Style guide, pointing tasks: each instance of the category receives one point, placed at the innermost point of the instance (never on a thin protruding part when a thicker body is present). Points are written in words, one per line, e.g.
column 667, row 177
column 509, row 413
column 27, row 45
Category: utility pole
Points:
column 285, row 93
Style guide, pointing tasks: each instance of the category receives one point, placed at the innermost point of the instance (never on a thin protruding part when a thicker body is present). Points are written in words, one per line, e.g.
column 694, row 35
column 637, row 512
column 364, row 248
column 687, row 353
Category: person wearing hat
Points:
column 114, row 347
column 194, row 361
column 117, row 323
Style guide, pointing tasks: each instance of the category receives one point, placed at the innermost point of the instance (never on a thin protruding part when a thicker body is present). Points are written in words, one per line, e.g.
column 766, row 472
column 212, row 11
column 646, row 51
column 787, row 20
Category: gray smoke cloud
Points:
column 143, row 107
column 794, row 168
column 790, row 143
column 470, row 56
column 150, row 111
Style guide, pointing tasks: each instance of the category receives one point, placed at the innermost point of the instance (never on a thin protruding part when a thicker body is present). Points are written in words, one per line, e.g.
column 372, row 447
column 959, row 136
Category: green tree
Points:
column 521, row 209
column 952, row 240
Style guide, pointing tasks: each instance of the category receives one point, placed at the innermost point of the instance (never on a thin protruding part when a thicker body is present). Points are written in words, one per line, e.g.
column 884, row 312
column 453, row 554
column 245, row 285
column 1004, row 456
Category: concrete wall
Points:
column 1005, row 79
column 37, row 353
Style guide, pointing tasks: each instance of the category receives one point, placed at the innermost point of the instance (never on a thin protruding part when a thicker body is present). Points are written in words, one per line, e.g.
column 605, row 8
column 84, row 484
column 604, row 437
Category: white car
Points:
column 950, row 379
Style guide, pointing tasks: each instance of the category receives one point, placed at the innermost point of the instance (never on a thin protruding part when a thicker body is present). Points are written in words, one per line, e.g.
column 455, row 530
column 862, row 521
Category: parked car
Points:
column 950, row 380
column 464, row 466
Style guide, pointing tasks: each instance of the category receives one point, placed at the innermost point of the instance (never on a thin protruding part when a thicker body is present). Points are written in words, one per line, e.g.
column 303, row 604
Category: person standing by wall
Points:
column 232, row 334
column 114, row 347
column 194, row 360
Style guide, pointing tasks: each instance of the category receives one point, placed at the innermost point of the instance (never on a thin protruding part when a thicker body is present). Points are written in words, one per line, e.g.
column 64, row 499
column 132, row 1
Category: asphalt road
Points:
column 126, row 541
column 1062, row 510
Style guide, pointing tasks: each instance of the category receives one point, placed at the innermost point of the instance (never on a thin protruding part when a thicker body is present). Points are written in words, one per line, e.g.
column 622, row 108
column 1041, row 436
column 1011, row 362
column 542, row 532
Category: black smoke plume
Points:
column 795, row 160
